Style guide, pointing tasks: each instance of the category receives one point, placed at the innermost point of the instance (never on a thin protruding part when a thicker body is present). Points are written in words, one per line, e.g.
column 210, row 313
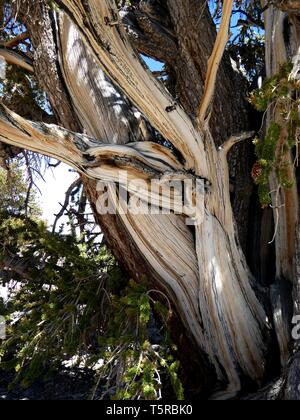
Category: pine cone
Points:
column 257, row 170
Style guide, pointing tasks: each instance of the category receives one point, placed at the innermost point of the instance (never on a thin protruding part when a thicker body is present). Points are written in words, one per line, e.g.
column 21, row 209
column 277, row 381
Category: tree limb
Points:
column 141, row 162
column 15, row 41
column 233, row 140
column 17, row 59
column 78, row 150
column 215, row 60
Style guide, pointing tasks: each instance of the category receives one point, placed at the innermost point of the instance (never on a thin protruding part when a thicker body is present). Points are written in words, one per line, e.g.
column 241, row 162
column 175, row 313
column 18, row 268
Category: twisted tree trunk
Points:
column 201, row 268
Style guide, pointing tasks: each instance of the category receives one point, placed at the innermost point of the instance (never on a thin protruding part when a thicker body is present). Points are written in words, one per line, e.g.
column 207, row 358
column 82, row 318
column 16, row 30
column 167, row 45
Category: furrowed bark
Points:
column 195, row 34
column 49, row 73
column 107, row 99
column 149, row 30
column 180, row 270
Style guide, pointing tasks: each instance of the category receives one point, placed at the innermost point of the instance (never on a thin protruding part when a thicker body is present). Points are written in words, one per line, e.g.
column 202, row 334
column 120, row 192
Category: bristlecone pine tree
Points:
column 234, row 314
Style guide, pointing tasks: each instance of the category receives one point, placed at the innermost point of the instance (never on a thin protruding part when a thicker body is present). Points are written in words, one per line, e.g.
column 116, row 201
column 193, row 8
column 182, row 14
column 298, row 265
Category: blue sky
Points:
column 53, row 188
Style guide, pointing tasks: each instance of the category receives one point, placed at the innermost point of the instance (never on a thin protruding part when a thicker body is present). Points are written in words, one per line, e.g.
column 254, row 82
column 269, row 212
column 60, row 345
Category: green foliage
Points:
column 20, row 92
column 276, row 87
column 72, row 303
column 53, row 5
column 144, row 366
column 59, row 294
column 280, row 94
column 266, row 151
column 122, row 3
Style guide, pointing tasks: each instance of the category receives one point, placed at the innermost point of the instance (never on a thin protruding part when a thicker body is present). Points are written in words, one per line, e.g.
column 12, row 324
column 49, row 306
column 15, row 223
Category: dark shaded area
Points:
column 65, row 385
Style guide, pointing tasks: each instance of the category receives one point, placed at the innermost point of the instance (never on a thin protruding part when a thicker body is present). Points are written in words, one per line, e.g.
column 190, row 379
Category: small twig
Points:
column 276, row 208
column 217, row 9
column 235, row 140
column 109, row 22
column 161, row 73
column 249, row 18
column 54, row 165
column 74, row 185
column 265, row 115
column 296, row 161
column 31, row 184
column 6, row 22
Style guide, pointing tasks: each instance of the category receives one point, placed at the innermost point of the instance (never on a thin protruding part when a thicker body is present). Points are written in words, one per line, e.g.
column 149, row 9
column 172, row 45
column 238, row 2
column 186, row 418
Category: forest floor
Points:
column 67, row 384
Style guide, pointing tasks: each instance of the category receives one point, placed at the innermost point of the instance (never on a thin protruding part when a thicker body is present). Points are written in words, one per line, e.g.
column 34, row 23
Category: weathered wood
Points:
column 215, row 60
column 115, row 55
column 204, row 274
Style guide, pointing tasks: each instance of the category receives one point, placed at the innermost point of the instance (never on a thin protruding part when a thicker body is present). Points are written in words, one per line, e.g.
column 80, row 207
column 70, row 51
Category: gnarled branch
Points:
column 113, row 52
column 141, row 161
column 17, row 59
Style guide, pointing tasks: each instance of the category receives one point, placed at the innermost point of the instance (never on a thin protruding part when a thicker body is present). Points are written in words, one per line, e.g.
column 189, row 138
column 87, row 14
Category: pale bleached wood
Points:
column 276, row 56
column 141, row 160
column 215, row 60
column 174, row 263
column 113, row 52
column 99, row 105
column 165, row 242
column 233, row 140
column 236, row 323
